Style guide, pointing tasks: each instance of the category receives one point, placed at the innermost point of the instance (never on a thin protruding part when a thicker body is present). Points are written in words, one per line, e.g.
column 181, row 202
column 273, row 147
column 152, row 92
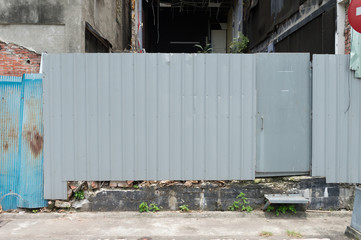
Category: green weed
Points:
column 79, row 195
column 241, row 204
column 143, row 207
column 282, row 209
column 154, row 207
column 184, row 208
column 294, row 234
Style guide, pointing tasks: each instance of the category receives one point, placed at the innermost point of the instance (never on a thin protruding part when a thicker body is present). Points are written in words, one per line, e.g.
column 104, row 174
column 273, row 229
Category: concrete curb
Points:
column 177, row 214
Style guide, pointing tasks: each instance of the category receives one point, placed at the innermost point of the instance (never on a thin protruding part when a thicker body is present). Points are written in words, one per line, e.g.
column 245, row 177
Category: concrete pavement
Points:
column 173, row 225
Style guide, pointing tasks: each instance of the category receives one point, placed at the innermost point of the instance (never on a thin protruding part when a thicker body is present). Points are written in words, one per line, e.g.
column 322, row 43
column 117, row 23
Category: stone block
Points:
column 62, row 204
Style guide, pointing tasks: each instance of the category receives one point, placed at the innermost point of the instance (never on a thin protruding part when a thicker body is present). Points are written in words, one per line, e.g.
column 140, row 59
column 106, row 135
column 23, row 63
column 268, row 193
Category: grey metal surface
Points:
column 336, row 127
column 147, row 117
column 283, row 114
column 285, row 198
column 356, row 213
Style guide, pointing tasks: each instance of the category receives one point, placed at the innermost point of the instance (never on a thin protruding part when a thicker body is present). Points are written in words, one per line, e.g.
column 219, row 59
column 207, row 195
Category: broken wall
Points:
column 16, row 60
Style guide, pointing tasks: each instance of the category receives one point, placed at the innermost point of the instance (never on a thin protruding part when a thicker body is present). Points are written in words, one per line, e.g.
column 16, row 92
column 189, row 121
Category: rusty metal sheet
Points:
column 10, row 96
column 31, row 157
column 21, row 158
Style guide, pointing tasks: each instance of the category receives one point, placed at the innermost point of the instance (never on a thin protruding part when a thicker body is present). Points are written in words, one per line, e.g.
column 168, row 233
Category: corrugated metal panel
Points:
column 147, row 117
column 31, row 187
column 284, row 114
column 10, row 95
column 336, row 137
column 21, row 171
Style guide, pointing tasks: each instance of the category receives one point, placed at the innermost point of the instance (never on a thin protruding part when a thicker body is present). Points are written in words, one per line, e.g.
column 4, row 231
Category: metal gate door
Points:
column 283, row 114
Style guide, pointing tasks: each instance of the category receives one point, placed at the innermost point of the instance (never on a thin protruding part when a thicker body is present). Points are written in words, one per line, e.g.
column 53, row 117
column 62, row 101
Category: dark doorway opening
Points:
column 175, row 26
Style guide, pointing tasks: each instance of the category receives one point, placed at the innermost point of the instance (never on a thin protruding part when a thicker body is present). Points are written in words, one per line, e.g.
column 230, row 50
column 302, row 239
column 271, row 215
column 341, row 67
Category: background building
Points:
column 58, row 26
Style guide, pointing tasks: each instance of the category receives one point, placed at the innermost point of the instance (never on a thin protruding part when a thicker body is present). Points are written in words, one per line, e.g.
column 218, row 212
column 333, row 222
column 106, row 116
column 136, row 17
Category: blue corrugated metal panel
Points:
column 336, row 136
column 148, row 117
column 31, row 169
column 21, row 165
column 10, row 96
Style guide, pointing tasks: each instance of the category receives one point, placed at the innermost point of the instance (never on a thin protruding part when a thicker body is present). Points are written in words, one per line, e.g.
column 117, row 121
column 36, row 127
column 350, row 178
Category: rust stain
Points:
column 13, row 133
column 6, row 146
column 35, row 141
column 9, row 129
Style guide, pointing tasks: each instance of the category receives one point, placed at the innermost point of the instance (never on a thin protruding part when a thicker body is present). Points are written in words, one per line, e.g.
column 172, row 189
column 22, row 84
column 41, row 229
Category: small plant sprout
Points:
column 154, row 207
column 265, row 234
column 143, row 207
column 242, row 204
column 136, row 186
column 35, row 211
column 184, row 208
column 294, row 234
column 235, row 206
column 239, row 44
column 206, row 49
column 79, row 195
column 282, row 209
column 270, row 208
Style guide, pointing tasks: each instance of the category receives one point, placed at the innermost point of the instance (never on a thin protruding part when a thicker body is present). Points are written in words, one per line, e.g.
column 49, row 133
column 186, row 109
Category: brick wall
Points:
column 16, row 60
column 347, row 33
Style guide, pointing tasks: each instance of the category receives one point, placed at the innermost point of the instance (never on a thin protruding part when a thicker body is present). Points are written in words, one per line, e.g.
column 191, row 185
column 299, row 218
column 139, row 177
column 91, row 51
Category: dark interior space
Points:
column 316, row 37
column 262, row 18
column 172, row 26
column 94, row 43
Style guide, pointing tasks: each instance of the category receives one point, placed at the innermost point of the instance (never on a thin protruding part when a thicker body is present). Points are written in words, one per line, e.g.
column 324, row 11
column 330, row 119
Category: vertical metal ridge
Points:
column 229, row 98
column 132, row 167
column 217, row 96
column 205, row 117
column 98, row 83
column 170, row 167
column 158, row 121
column 194, row 117
column 180, row 113
column 332, row 74
column 74, row 89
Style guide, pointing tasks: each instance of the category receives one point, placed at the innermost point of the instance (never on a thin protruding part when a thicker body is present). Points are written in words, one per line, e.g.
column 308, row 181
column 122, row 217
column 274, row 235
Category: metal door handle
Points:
column 262, row 127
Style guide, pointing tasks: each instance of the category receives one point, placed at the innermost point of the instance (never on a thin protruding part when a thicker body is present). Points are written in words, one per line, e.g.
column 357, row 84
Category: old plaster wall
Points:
column 43, row 25
column 102, row 16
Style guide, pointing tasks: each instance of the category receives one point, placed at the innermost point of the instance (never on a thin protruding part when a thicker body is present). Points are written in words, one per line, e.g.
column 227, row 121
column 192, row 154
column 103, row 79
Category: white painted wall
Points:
column 340, row 27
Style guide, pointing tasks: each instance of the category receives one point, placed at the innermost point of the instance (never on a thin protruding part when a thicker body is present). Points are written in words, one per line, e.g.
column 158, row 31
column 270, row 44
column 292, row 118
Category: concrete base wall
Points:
column 213, row 196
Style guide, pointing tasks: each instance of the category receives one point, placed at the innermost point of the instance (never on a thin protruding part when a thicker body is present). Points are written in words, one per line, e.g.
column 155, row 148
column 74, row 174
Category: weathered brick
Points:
column 14, row 60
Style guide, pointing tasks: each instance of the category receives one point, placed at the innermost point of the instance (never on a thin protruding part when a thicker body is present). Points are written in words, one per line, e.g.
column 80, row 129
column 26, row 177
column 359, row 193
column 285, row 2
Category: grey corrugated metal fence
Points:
column 183, row 116
column 336, row 137
column 148, row 117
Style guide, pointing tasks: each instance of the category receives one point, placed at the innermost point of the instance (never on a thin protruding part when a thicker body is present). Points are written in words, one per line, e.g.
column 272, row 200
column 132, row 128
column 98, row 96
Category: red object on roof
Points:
column 354, row 15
